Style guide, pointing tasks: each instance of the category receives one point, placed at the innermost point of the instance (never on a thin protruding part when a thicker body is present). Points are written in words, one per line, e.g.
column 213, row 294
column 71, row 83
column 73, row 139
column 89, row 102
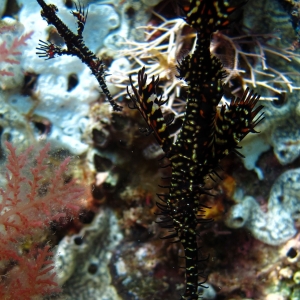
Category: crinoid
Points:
column 164, row 45
column 250, row 57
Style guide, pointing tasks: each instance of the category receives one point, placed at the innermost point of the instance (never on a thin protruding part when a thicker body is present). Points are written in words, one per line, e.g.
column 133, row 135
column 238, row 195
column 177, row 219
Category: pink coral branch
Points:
column 6, row 73
column 7, row 54
column 33, row 276
column 7, row 28
column 33, row 197
column 28, row 211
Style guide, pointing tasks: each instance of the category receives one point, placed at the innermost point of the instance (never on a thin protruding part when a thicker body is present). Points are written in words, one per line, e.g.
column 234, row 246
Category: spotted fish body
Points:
column 206, row 136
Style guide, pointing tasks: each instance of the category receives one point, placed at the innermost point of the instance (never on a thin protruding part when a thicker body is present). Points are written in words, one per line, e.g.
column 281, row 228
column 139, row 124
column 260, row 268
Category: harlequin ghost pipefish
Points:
column 75, row 45
column 208, row 132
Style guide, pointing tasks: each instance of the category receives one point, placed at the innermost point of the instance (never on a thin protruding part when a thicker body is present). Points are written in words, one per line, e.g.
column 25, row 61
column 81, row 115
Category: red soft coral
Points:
column 32, row 276
column 32, row 199
column 8, row 53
